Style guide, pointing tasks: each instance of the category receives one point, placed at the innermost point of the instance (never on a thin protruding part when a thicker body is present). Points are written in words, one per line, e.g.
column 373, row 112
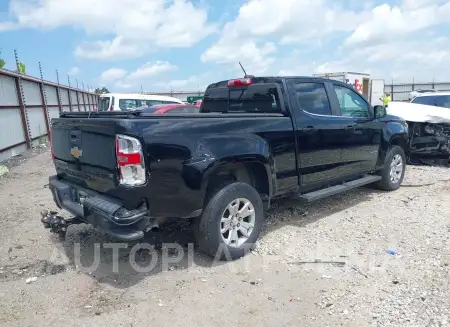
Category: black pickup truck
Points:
column 255, row 139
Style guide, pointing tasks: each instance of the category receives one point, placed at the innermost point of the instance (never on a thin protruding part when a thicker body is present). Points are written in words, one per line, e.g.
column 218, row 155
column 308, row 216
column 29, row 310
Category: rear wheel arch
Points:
column 253, row 173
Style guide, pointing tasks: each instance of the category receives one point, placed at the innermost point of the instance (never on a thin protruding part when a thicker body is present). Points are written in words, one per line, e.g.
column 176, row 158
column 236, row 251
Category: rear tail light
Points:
column 130, row 160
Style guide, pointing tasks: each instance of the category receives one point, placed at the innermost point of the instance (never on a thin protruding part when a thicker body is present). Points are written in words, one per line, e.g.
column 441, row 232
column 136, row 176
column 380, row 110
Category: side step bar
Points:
column 329, row 191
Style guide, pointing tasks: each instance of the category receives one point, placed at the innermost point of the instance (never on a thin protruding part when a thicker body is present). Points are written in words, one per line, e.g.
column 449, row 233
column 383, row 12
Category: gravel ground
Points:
column 324, row 264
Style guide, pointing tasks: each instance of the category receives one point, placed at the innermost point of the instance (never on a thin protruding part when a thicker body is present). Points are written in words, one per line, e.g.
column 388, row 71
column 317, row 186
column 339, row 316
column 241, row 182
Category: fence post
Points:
column 44, row 101
column 392, row 91
column 89, row 98
column 76, row 94
column 84, row 102
column 22, row 104
column 58, row 92
column 68, row 94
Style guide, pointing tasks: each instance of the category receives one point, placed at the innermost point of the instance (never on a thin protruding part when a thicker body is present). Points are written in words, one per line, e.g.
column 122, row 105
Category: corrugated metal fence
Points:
column 400, row 91
column 27, row 105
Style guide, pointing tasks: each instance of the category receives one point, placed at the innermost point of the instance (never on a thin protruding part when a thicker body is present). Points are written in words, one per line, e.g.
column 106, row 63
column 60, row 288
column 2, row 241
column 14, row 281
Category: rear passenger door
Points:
column 318, row 130
column 361, row 134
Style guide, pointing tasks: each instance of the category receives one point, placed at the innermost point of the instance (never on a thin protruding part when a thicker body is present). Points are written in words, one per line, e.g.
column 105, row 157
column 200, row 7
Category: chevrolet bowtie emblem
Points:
column 76, row 152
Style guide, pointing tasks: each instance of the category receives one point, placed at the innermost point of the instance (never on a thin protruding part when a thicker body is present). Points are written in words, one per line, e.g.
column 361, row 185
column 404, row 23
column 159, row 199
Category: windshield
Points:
column 434, row 100
column 104, row 104
column 254, row 98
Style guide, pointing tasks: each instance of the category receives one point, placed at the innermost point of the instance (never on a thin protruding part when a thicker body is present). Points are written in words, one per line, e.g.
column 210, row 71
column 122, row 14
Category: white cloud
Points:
column 287, row 21
column 8, row 26
column 112, row 75
column 137, row 26
column 74, row 71
column 387, row 23
column 421, row 59
column 385, row 40
column 122, row 79
column 254, row 57
column 107, row 50
column 151, row 69
column 192, row 83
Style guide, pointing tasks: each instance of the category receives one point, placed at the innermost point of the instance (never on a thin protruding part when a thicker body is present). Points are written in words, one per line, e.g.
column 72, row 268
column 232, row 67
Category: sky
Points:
column 163, row 45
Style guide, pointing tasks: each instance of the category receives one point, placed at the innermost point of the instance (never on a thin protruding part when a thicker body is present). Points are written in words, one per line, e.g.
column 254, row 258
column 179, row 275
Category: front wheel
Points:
column 394, row 169
column 231, row 222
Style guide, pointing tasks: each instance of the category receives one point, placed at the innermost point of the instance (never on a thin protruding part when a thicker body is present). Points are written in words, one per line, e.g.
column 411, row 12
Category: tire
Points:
column 209, row 236
column 392, row 157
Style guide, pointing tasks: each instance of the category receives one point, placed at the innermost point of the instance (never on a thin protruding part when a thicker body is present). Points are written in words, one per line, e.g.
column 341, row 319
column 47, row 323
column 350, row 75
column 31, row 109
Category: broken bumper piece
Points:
column 429, row 143
column 104, row 213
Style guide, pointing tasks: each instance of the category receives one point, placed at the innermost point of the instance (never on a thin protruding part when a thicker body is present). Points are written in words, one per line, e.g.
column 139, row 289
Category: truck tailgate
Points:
column 84, row 152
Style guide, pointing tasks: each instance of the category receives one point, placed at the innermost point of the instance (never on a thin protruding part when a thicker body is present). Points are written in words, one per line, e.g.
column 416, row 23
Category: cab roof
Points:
column 275, row 79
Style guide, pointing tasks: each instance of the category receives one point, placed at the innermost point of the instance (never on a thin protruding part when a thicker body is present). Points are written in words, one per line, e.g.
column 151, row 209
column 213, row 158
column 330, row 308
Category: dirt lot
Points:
column 280, row 284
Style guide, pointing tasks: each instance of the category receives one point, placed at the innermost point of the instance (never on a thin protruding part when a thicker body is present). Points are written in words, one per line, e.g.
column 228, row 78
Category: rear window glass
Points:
column 132, row 104
column 150, row 103
column 129, row 104
column 255, row 98
column 434, row 100
column 104, row 104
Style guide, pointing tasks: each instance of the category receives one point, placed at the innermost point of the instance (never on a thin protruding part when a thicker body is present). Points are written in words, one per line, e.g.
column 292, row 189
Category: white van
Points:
column 124, row 101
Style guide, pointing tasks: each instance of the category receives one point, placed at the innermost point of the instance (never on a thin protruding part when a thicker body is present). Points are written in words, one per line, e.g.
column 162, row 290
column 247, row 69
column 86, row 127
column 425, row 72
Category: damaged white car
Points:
column 428, row 118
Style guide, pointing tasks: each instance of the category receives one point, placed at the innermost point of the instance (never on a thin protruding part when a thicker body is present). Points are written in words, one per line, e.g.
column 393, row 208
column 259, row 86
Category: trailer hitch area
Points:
column 55, row 223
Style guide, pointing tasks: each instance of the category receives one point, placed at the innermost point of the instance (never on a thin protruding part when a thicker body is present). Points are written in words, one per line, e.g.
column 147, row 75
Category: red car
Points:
column 161, row 109
column 197, row 103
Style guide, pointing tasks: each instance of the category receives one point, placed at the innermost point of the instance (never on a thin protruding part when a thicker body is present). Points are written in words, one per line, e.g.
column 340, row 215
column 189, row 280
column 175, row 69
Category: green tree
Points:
column 2, row 62
column 21, row 66
column 102, row 90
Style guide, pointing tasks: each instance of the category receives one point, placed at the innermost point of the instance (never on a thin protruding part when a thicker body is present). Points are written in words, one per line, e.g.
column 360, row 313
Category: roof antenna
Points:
column 245, row 73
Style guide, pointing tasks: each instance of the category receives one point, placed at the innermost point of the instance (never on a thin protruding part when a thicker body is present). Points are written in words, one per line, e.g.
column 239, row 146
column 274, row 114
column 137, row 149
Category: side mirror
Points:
column 380, row 111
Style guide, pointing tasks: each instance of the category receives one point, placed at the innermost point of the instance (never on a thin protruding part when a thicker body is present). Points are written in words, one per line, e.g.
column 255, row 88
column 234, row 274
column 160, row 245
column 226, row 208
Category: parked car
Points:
column 437, row 99
column 428, row 118
column 197, row 103
column 160, row 109
column 416, row 93
column 254, row 140
column 123, row 101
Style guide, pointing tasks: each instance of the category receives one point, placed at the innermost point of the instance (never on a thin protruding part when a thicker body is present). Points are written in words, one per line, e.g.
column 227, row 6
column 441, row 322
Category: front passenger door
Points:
column 361, row 131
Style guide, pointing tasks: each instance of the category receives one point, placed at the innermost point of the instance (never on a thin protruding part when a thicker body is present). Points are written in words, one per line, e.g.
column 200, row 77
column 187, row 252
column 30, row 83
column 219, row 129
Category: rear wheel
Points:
column 394, row 169
column 231, row 222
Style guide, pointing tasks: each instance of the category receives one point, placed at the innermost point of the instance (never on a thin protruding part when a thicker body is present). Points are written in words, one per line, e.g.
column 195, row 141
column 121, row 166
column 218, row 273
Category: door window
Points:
column 129, row 104
column 104, row 104
column 313, row 98
column 351, row 103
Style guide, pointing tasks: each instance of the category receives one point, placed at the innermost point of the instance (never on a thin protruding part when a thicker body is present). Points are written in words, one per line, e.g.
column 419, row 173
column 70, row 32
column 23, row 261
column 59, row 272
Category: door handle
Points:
column 309, row 129
column 349, row 127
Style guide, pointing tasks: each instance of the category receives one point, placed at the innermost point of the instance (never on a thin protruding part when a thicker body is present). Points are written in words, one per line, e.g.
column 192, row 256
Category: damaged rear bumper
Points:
column 104, row 213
